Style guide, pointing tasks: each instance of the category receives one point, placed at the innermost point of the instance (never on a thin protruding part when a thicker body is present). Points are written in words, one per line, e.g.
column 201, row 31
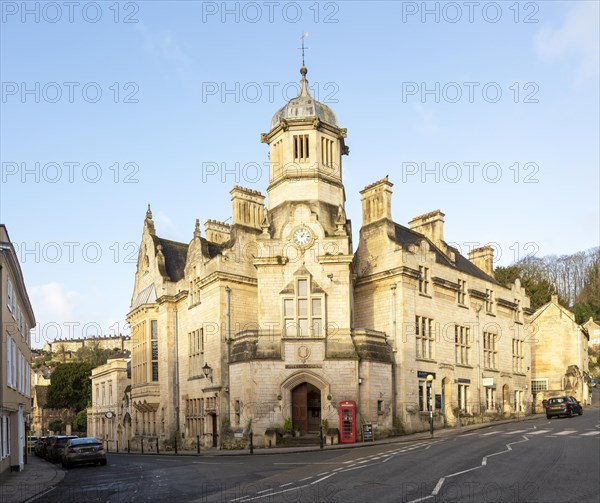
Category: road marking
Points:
column 438, row 486
column 352, row 468
column 264, row 491
column 565, row 432
column 305, row 463
column 440, row 482
column 285, row 485
column 320, row 474
column 321, row 479
column 538, row 432
column 305, row 478
column 513, row 432
column 469, row 434
column 590, row 433
column 490, row 433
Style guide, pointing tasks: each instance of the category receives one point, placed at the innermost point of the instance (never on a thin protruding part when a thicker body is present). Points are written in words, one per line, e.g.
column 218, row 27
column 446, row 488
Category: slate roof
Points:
column 176, row 255
column 405, row 236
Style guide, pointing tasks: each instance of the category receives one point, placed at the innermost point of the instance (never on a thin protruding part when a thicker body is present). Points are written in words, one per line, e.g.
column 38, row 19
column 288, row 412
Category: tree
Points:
column 95, row 355
column 56, row 426
column 70, row 386
column 80, row 422
column 538, row 289
column 587, row 303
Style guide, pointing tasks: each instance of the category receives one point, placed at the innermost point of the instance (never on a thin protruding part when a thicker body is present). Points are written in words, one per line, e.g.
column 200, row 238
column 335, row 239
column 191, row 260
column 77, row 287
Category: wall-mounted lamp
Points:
column 330, row 276
column 360, row 380
column 208, row 371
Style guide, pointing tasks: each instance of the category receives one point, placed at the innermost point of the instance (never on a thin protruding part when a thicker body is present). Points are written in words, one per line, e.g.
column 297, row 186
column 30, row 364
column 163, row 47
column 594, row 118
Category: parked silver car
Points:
column 83, row 450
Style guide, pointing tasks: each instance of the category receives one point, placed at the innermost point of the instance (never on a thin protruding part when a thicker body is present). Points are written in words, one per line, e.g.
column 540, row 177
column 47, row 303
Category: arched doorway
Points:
column 306, row 408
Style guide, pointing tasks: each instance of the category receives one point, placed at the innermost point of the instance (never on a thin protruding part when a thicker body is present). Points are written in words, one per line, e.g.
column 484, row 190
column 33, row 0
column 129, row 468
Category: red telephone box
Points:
column 347, row 422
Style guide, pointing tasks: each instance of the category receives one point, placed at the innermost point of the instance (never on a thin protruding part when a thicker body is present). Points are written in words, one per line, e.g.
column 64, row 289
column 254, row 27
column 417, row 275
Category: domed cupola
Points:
column 305, row 146
column 304, row 106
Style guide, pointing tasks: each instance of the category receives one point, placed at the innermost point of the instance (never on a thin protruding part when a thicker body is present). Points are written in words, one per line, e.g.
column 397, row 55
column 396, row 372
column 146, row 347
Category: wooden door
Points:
column 299, row 408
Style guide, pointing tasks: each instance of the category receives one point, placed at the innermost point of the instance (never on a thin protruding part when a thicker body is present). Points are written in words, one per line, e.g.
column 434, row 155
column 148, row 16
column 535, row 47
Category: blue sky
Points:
column 111, row 106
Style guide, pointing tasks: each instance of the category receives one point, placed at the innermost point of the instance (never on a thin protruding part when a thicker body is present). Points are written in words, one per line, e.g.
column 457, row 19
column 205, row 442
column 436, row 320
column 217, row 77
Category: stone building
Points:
column 275, row 316
column 40, row 380
column 559, row 354
column 593, row 328
column 16, row 321
column 109, row 417
column 70, row 346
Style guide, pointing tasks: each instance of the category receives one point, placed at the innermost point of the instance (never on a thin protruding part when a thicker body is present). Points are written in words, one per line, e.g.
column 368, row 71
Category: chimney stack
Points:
column 483, row 258
column 248, row 207
column 217, row 232
column 431, row 225
column 377, row 201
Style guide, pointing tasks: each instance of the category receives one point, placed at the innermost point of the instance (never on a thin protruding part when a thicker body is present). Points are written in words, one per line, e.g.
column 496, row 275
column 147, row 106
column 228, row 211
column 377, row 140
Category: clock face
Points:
column 302, row 236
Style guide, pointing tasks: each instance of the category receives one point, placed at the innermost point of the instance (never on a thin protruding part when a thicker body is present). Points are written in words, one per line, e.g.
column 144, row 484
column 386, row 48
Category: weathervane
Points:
column 304, row 35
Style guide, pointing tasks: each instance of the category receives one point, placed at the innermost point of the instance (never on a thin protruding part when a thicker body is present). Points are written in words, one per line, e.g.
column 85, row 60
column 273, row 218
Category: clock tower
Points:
column 305, row 149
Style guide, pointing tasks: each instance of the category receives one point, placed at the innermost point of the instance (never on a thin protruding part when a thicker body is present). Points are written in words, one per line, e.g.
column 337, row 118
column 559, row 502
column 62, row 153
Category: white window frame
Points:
column 463, row 397
column 8, row 361
column 424, row 337
column 535, row 389
column 490, row 350
column 4, row 437
column 293, row 320
column 490, row 399
column 10, row 296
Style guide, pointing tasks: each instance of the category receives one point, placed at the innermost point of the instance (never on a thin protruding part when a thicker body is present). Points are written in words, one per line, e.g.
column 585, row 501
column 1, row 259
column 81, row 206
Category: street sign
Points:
column 367, row 432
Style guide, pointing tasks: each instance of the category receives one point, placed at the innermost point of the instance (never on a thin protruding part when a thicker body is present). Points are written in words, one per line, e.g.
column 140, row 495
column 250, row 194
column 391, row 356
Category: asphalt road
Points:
column 541, row 461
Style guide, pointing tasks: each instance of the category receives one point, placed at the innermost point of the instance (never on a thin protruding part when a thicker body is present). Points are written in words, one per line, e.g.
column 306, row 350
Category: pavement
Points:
column 40, row 476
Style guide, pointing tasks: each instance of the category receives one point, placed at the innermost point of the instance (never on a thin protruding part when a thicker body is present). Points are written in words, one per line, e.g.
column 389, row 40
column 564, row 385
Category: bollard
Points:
column 142, row 445
column 128, row 447
column 321, row 437
column 107, row 445
column 198, row 443
column 117, row 447
column 251, row 444
column 175, row 444
column 157, row 449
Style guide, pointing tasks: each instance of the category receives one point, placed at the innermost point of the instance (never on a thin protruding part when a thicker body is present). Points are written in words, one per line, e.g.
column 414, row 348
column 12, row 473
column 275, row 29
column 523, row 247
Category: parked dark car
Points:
column 83, row 450
column 45, row 445
column 563, row 406
column 55, row 449
column 37, row 448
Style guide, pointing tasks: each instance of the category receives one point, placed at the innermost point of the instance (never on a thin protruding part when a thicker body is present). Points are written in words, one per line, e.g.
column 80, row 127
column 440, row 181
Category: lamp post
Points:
column 430, row 395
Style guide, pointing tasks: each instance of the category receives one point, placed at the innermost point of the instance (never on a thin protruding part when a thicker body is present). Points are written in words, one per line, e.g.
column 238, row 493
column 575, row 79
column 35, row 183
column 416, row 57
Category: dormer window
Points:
column 489, row 301
column 462, row 291
column 423, row 280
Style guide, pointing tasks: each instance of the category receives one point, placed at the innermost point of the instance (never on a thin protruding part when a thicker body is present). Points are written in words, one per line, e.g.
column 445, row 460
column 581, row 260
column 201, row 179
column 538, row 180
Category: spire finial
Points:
column 148, row 222
column 304, row 35
column 197, row 229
